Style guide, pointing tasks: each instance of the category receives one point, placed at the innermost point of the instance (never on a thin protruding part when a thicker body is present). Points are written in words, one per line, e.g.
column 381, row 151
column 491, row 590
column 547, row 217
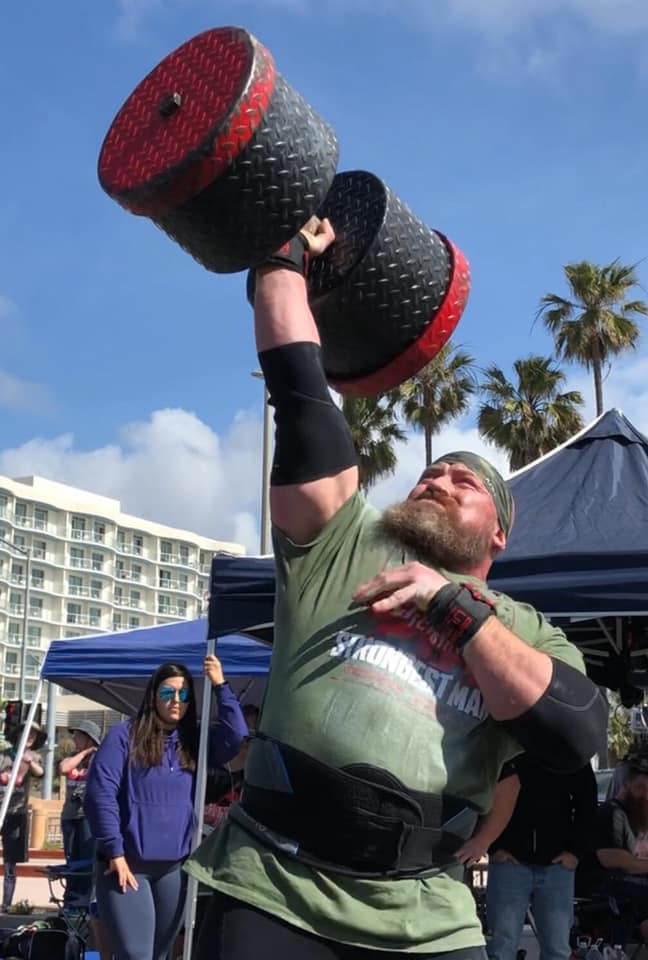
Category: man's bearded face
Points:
column 433, row 530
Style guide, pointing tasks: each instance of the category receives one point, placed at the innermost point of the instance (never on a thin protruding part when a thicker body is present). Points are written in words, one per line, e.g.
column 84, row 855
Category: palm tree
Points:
column 440, row 392
column 596, row 322
column 531, row 417
column 375, row 430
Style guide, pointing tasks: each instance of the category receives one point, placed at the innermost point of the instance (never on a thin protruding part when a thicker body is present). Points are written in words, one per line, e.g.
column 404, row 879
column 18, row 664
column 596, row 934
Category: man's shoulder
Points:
column 355, row 520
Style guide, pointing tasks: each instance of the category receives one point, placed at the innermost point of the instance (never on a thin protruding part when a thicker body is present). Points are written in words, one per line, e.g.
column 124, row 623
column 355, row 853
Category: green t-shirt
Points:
column 347, row 686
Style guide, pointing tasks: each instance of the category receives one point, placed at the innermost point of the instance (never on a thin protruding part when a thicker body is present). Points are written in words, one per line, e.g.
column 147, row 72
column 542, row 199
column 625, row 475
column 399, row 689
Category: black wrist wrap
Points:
column 293, row 255
column 457, row 612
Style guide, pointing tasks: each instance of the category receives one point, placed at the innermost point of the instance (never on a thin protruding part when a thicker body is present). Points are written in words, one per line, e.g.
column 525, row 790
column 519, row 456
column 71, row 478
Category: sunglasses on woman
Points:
column 167, row 694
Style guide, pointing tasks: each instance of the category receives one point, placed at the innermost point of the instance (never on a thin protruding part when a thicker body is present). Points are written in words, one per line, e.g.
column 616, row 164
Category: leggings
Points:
column 142, row 924
column 232, row 930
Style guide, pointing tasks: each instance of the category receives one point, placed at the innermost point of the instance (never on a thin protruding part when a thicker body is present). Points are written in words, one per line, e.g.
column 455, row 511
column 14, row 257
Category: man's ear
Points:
column 498, row 541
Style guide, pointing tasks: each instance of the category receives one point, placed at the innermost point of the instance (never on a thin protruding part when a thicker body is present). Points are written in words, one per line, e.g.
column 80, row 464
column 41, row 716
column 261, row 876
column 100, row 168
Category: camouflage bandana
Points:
column 493, row 481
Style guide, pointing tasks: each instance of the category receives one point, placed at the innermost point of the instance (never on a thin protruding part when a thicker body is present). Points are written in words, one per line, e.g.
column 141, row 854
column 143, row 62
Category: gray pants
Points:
column 142, row 924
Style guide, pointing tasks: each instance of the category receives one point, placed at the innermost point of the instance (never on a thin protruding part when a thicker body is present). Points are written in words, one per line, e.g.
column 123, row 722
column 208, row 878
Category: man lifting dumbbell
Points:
column 399, row 686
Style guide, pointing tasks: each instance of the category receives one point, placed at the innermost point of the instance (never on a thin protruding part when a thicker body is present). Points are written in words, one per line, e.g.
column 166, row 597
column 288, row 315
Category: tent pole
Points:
column 22, row 743
column 199, row 806
column 50, row 746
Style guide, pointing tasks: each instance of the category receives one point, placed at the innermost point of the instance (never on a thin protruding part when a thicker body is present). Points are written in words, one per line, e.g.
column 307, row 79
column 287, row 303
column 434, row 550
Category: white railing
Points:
column 22, row 521
column 174, row 585
column 84, row 592
column 129, row 549
column 77, row 534
column 17, row 578
column 83, row 619
column 80, row 563
column 127, row 575
column 171, row 611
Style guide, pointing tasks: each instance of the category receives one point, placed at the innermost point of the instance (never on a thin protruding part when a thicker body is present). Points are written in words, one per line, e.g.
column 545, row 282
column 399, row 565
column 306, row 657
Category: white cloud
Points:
column 16, row 394
column 133, row 14
column 625, row 387
column 172, row 468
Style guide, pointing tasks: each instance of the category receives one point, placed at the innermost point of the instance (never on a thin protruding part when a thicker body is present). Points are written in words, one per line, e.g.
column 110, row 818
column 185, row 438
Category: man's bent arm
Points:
column 283, row 318
column 555, row 712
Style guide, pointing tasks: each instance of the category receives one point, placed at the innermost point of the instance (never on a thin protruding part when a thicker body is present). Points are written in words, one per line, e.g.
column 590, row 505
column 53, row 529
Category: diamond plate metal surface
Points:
column 229, row 168
column 377, row 290
column 273, row 187
column 152, row 159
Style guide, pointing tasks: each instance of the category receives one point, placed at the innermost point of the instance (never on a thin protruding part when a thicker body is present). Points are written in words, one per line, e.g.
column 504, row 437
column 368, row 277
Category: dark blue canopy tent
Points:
column 113, row 669
column 578, row 550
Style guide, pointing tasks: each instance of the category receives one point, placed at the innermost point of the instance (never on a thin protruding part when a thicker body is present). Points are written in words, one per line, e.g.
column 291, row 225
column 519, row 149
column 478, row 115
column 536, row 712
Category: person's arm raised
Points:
column 314, row 471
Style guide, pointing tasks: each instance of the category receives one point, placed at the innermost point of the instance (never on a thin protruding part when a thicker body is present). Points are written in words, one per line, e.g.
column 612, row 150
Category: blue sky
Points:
column 517, row 127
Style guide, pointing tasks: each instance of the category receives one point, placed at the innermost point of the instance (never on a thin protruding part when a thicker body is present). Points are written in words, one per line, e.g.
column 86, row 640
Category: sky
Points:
column 516, row 127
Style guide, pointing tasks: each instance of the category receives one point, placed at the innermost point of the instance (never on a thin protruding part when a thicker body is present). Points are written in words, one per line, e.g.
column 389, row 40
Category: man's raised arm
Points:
column 314, row 471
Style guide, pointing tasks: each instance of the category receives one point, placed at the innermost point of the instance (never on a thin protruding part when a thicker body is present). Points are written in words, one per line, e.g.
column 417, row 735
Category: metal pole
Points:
column 23, row 652
column 19, row 753
column 266, row 530
column 50, row 747
column 199, row 806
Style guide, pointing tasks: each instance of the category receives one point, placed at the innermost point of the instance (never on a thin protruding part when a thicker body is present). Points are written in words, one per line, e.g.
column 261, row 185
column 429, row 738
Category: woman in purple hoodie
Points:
column 139, row 804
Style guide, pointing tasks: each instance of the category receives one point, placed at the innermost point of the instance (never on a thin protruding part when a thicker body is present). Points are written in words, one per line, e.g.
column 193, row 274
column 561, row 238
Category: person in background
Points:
column 225, row 783
column 78, row 842
column 139, row 803
column 533, row 861
column 619, row 865
column 15, row 829
column 496, row 820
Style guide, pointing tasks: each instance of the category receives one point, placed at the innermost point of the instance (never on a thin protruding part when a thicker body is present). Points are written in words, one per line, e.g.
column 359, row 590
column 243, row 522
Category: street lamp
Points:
column 26, row 552
column 266, row 536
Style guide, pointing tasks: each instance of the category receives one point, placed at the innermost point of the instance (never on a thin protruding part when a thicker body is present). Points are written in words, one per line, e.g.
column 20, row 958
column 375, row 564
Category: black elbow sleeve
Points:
column 312, row 437
column 567, row 725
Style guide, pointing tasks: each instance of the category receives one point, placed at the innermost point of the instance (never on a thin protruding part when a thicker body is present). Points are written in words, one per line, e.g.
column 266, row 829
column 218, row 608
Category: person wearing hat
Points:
column 399, row 685
column 78, row 842
column 15, row 832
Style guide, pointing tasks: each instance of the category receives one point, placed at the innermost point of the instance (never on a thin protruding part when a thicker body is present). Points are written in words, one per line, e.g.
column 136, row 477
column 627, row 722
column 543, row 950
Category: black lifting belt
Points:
column 360, row 821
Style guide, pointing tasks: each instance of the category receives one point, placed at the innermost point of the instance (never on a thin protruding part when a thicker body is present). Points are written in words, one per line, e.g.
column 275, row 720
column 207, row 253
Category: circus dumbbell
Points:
column 218, row 150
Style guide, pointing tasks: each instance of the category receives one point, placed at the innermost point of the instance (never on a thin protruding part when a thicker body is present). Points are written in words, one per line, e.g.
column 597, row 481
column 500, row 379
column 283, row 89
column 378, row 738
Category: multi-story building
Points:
column 94, row 569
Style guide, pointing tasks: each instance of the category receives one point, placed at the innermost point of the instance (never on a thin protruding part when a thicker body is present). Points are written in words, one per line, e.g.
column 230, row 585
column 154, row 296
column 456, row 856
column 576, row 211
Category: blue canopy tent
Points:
column 578, row 550
column 113, row 669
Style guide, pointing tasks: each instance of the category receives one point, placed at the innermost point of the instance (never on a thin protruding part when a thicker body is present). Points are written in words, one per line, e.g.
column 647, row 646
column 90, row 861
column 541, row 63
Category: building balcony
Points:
column 90, row 536
column 32, row 523
column 83, row 620
column 172, row 611
column 179, row 585
column 130, row 550
column 36, row 613
column 177, row 559
column 132, row 577
column 84, row 592
column 13, row 670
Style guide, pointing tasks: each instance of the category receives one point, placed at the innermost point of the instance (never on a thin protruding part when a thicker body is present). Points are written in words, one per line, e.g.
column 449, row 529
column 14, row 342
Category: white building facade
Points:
column 94, row 570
